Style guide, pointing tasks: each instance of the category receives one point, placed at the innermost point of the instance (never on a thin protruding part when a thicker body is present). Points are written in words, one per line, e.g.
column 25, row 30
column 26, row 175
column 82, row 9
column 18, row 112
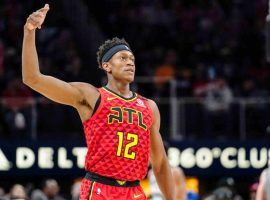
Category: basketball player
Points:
column 121, row 127
column 263, row 192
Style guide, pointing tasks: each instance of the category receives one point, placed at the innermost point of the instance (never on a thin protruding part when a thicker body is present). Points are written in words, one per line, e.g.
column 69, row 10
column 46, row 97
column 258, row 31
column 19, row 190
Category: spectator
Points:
column 184, row 83
column 178, row 179
column 197, row 31
column 217, row 97
column 164, row 73
column 17, row 101
column 17, row 191
column 38, row 195
column 257, row 114
column 2, row 78
column 179, row 182
column 75, row 189
column 50, row 191
column 263, row 193
column 252, row 191
column 225, row 191
column 2, row 192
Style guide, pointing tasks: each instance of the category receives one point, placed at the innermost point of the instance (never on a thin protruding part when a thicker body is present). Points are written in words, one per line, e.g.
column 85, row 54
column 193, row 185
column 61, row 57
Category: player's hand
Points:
column 36, row 19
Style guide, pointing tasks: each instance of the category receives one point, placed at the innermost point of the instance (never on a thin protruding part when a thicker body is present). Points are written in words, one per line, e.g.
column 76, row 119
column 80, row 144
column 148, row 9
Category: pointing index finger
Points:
column 45, row 9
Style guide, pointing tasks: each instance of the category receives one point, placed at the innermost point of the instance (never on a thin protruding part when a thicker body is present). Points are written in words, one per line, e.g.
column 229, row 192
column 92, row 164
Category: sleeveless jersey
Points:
column 118, row 137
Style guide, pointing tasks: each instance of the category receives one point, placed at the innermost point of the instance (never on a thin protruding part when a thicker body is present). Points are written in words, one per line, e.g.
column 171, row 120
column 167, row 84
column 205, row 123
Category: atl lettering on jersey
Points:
column 118, row 136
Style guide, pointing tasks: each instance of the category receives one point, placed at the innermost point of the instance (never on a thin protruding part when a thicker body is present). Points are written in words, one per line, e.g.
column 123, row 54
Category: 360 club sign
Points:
column 229, row 157
column 194, row 158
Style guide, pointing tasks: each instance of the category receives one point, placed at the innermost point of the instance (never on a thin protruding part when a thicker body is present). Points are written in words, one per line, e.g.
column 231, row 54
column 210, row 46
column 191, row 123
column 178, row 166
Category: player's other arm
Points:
column 53, row 88
column 159, row 159
column 260, row 194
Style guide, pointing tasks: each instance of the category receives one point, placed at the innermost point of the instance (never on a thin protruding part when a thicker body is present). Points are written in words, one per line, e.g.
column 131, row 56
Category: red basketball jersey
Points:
column 118, row 137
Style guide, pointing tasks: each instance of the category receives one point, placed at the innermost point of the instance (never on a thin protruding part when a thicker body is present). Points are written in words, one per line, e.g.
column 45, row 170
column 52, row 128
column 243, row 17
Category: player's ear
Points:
column 106, row 66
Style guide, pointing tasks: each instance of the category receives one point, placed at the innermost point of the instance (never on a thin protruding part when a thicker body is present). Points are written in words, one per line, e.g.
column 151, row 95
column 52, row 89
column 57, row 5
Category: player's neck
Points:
column 120, row 88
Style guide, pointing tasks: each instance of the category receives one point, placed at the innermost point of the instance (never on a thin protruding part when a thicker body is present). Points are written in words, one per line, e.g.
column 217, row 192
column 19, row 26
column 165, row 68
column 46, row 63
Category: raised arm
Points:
column 159, row 159
column 57, row 90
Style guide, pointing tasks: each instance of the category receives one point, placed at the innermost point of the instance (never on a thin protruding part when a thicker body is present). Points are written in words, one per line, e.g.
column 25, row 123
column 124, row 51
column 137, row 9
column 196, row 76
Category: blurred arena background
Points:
column 203, row 61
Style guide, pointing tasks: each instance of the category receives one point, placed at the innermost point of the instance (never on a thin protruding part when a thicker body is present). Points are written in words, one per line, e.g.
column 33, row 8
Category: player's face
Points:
column 122, row 66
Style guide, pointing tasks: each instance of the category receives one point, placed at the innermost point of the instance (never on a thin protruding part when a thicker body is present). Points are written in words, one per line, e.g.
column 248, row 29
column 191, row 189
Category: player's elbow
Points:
column 30, row 81
column 160, row 164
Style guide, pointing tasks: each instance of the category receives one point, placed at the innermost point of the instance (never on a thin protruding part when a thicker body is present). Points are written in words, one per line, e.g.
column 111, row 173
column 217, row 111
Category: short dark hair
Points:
column 108, row 44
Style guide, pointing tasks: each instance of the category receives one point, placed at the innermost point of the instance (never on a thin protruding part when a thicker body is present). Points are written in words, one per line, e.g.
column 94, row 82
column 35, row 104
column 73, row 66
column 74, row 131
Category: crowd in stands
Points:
column 49, row 189
column 213, row 49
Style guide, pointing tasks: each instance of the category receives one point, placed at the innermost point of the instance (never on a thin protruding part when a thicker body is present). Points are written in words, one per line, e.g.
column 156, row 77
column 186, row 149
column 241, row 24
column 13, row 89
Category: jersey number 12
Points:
column 132, row 140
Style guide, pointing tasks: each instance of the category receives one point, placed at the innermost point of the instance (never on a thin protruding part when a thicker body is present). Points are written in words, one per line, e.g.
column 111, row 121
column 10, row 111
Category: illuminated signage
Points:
column 229, row 157
column 194, row 158
column 43, row 157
